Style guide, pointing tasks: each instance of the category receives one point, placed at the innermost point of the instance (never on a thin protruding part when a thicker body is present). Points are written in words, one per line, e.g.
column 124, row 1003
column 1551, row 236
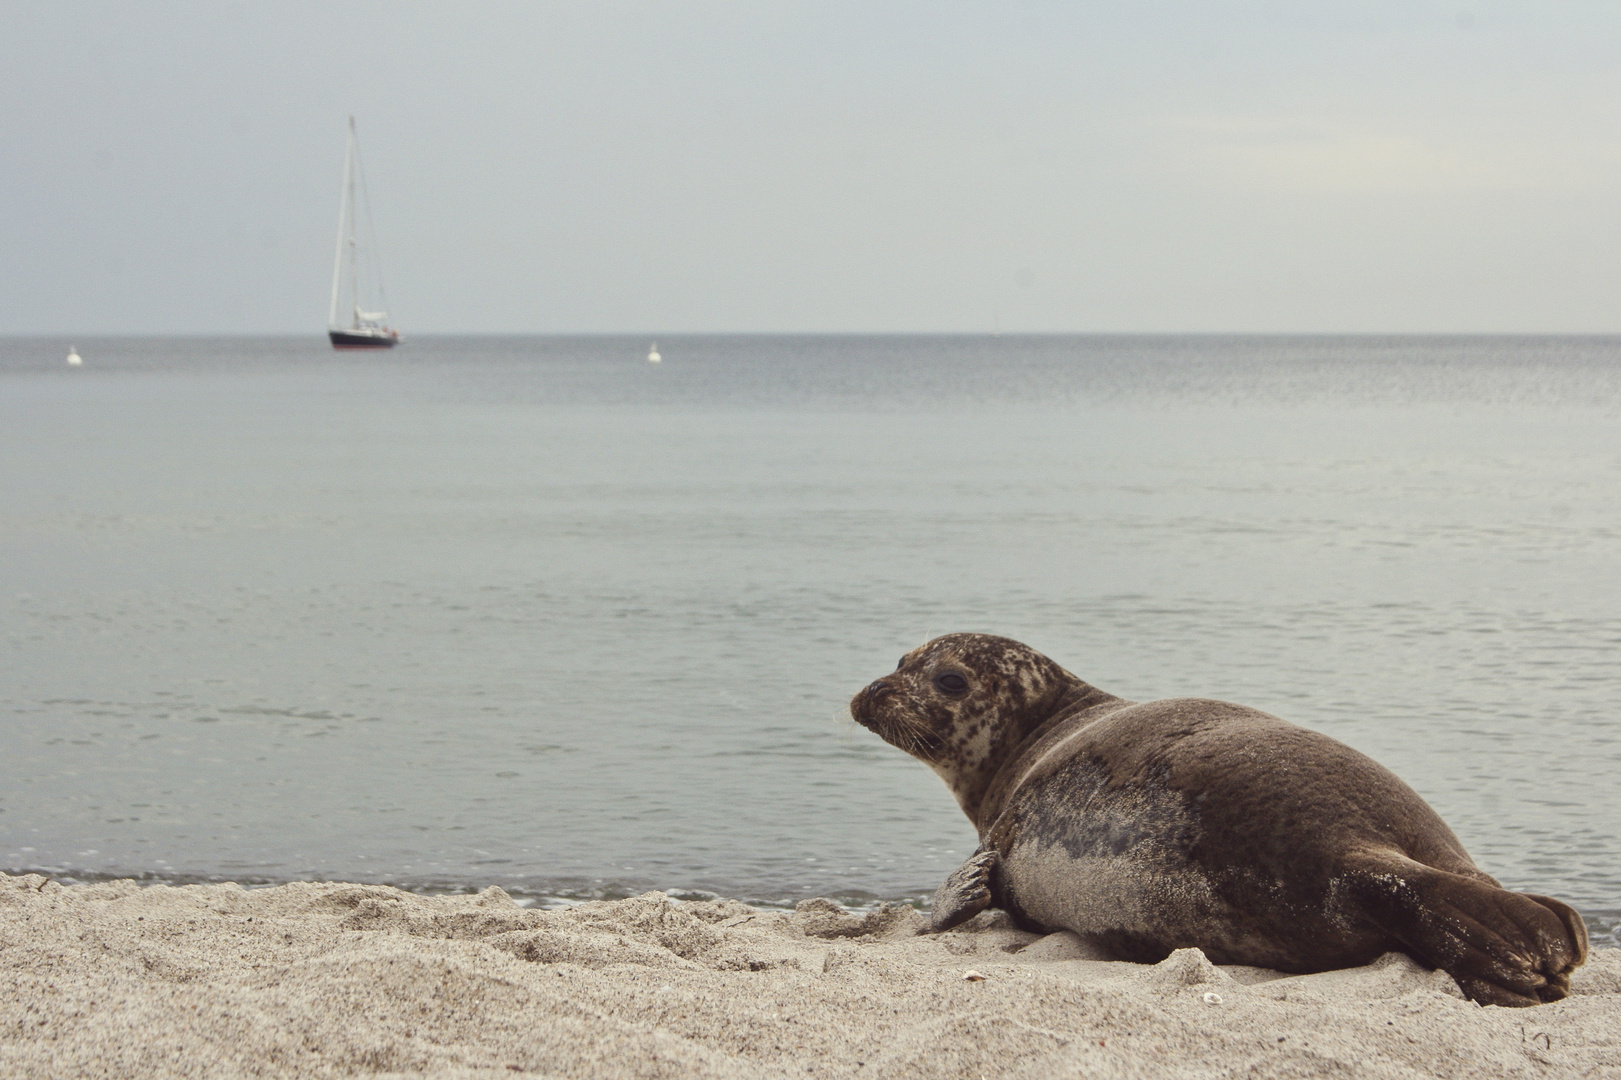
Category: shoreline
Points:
column 550, row 896
column 337, row 979
column 1603, row 925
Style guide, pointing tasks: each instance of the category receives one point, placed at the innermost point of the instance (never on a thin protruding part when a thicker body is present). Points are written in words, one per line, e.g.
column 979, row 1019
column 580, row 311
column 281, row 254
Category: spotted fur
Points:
column 966, row 738
column 1192, row 823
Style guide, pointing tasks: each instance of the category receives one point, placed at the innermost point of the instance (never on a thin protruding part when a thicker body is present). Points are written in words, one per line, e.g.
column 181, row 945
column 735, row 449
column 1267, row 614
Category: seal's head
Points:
column 961, row 703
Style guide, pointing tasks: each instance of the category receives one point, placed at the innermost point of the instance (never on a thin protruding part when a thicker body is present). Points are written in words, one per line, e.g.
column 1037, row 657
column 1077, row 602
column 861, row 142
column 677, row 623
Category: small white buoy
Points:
column 74, row 359
column 653, row 356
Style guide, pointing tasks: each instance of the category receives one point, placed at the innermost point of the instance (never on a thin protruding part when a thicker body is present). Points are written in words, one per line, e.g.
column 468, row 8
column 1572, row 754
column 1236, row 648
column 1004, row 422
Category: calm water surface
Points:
column 536, row 613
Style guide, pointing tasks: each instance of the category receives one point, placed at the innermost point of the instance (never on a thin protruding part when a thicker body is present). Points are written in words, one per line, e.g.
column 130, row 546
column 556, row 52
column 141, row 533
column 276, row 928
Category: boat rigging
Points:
column 366, row 329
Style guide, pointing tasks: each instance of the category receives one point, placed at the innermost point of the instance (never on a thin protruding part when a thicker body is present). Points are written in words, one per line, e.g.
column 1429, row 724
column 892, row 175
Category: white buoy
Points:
column 653, row 356
column 74, row 359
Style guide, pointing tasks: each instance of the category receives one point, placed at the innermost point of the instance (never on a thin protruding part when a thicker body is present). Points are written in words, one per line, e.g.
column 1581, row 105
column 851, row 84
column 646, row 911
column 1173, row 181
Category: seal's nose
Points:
column 863, row 702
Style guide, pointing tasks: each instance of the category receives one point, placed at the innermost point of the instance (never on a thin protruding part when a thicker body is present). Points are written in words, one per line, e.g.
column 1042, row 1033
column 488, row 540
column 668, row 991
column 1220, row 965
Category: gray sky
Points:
column 663, row 167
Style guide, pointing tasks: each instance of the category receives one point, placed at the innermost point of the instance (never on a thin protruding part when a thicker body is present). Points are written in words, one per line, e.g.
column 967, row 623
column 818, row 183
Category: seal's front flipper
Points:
column 964, row 894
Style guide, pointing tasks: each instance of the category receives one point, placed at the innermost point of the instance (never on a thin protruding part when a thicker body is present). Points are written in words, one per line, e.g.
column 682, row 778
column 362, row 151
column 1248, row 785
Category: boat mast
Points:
column 354, row 249
column 346, row 203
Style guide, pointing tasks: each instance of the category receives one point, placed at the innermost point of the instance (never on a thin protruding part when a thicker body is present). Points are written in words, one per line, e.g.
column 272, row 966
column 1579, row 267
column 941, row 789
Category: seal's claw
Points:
column 965, row 893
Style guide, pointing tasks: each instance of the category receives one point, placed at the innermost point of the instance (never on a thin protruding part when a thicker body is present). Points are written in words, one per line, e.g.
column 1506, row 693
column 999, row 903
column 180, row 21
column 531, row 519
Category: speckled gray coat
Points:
column 1191, row 823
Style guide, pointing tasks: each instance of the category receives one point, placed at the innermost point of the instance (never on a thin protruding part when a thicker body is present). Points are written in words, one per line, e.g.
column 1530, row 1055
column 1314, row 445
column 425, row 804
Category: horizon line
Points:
column 680, row 334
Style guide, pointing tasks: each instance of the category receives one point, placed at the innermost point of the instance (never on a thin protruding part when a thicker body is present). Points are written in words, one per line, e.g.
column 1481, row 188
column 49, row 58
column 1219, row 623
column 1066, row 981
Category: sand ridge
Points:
column 337, row 980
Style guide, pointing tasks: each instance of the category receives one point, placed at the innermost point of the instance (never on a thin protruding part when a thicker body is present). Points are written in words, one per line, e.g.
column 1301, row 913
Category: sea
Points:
column 534, row 612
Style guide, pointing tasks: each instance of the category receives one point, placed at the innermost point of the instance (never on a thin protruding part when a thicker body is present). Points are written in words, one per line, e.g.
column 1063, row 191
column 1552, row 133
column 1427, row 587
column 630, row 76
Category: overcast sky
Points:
column 664, row 167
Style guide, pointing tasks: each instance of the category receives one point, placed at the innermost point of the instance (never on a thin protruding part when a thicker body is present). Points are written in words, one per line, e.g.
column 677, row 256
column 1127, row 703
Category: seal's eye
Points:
column 949, row 682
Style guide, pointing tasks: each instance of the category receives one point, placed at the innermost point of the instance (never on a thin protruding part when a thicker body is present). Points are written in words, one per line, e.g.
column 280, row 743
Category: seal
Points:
column 1150, row 827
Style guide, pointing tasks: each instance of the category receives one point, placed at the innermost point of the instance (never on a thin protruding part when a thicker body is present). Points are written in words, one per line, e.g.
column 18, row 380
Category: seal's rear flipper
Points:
column 1503, row 948
column 964, row 894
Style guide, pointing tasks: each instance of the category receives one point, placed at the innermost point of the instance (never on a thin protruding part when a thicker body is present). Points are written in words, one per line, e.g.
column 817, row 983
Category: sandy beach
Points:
column 123, row 980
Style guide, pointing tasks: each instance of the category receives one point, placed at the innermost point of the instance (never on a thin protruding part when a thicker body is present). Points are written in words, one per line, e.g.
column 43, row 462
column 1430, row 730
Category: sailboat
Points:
column 366, row 329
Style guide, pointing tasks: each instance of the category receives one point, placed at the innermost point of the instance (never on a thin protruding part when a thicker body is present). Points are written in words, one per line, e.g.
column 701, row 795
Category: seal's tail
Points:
column 1503, row 948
